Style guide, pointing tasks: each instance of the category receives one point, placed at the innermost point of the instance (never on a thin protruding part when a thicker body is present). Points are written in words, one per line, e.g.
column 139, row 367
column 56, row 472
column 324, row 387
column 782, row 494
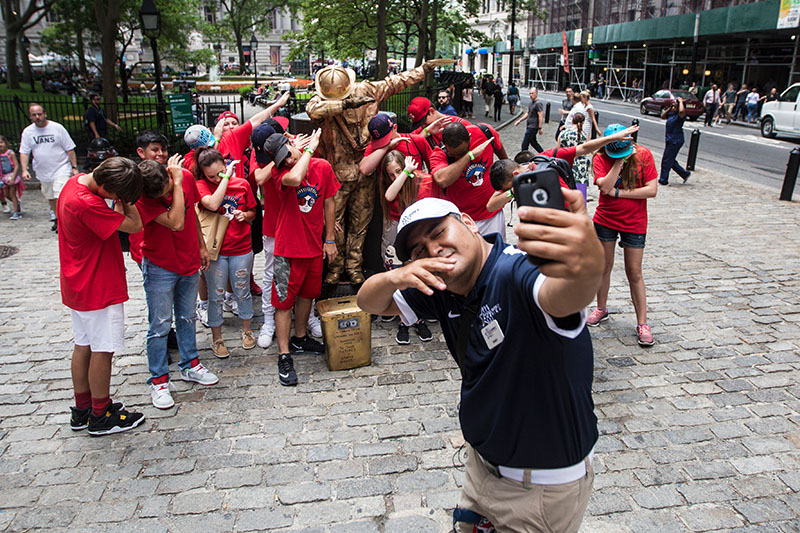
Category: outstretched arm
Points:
column 595, row 144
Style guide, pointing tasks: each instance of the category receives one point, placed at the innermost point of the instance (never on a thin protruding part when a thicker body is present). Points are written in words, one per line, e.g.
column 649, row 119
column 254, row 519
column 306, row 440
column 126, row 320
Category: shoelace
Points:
column 285, row 364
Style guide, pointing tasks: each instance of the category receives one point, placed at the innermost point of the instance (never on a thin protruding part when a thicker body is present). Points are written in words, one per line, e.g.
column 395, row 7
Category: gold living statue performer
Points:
column 343, row 109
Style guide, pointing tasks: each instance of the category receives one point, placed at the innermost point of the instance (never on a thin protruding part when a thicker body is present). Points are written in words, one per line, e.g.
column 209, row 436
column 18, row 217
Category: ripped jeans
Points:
column 237, row 268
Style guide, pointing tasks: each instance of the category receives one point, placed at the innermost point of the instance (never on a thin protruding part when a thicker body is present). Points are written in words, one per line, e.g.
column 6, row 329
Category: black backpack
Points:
column 561, row 166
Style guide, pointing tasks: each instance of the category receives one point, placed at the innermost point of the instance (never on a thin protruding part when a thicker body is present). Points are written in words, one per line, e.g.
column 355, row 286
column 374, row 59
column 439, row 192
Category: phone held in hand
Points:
column 539, row 188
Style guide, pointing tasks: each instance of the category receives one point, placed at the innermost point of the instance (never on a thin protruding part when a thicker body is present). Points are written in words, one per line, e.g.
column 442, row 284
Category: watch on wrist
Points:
column 616, row 192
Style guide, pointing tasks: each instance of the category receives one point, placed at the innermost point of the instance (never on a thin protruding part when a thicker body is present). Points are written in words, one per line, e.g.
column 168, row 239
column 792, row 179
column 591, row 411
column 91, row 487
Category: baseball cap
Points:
column 276, row 149
column 226, row 114
column 417, row 109
column 197, row 136
column 380, row 129
column 425, row 209
column 259, row 136
column 279, row 124
column 617, row 149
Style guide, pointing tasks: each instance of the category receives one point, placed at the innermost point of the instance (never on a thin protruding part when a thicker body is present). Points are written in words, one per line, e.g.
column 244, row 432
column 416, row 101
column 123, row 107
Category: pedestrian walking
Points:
column 11, row 182
column 566, row 107
column 534, row 121
column 711, row 100
column 513, row 97
column 740, row 110
column 675, row 116
column 601, row 87
column 626, row 176
column 53, row 153
column 467, row 94
column 518, row 334
column 498, row 102
column 96, row 121
column 752, row 105
column 229, row 198
column 574, row 136
column 93, row 286
column 488, row 87
column 729, row 102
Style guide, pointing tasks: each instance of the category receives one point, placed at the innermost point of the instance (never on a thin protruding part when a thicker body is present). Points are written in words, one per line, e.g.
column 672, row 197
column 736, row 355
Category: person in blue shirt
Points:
column 518, row 333
column 676, row 116
column 445, row 107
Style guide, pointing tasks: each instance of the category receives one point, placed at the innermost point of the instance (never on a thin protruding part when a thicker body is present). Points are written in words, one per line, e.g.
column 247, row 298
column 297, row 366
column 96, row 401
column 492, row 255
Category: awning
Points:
column 483, row 51
column 469, row 51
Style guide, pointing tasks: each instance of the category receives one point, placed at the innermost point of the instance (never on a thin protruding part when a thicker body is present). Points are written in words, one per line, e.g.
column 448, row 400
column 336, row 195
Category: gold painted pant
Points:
column 354, row 200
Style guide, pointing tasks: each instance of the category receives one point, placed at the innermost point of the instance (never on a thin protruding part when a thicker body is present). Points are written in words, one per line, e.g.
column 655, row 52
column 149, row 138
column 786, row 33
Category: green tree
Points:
column 17, row 20
column 70, row 35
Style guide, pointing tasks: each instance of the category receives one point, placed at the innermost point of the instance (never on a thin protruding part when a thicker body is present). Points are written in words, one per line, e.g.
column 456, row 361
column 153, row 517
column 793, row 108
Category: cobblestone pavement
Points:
column 699, row 432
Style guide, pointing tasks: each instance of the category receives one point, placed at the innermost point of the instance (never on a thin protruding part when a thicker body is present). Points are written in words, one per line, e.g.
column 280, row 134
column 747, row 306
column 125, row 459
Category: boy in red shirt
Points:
column 93, row 285
column 174, row 252
column 301, row 182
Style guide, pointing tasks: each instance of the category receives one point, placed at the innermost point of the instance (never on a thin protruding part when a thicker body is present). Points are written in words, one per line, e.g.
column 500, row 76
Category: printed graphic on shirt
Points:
column 228, row 206
column 44, row 139
column 306, row 197
column 487, row 314
column 474, row 174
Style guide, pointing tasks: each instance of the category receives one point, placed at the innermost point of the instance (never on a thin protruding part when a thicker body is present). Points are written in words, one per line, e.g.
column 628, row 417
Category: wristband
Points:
column 511, row 194
column 616, row 193
column 224, row 176
column 471, row 155
column 329, row 242
column 408, row 173
column 425, row 132
column 309, row 150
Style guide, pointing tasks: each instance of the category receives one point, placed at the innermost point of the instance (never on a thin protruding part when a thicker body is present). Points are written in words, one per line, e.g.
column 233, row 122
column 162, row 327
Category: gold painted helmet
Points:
column 335, row 82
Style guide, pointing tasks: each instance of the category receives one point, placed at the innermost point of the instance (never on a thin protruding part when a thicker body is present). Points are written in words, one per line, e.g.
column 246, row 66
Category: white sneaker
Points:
column 202, row 312
column 162, row 399
column 314, row 325
column 230, row 304
column 52, row 216
column 199, row 374
column 6, row 209
column 265, row 335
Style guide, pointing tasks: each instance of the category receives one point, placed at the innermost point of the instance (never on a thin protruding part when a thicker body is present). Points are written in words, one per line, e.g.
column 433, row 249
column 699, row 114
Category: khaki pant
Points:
column 513, row 507
column 353, row 199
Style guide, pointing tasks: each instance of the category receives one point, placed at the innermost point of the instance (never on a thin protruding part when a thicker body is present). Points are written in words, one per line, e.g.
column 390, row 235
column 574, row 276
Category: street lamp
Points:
column 253, row 48
column 150, row 17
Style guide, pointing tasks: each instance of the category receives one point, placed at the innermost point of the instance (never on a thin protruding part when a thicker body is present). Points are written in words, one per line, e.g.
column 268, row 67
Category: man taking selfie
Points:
column 518, row 333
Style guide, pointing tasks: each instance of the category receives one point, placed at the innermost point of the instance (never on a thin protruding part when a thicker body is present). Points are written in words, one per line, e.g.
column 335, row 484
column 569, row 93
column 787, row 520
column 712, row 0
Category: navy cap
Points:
column 259, row 136
column 276, row 149
column 380, row 129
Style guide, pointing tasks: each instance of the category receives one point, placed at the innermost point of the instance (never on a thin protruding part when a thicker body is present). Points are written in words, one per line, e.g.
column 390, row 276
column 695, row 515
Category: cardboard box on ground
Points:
column 347, row 331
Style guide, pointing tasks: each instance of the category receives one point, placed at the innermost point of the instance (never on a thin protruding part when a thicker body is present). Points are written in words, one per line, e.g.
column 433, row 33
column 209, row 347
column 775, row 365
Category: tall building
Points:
column 664, row 43
column 494, row 20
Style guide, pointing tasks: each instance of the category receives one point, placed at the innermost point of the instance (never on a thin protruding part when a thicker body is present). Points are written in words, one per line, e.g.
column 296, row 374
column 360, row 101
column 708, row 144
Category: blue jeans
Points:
column 530, row 139
column 166, row 290
column 237, row 269
column 668, row 162
column 752, row 112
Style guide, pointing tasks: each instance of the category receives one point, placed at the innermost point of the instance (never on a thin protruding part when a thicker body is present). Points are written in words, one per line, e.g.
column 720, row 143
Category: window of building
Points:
column 210, row 14
column 275, row 55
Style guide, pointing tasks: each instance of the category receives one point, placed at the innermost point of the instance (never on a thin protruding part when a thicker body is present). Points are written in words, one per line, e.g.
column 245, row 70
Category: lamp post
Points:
column 150, row 17
column 253, row 48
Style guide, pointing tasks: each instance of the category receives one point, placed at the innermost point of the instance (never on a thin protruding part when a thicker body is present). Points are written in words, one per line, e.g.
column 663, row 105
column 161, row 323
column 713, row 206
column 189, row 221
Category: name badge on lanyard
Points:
column 492, row 334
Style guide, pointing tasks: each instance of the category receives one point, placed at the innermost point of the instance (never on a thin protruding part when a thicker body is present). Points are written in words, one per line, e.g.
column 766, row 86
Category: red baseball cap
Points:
column 418, row 109
column 226, row 114
column 283, row 122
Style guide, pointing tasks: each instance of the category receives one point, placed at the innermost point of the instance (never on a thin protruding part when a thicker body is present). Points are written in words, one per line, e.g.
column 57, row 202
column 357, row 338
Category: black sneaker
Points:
column 286, row 373
column 54, row 227
column 113, row 421
column 402, row 334
column 305, row 345
column 423, row 332
column 80, row 417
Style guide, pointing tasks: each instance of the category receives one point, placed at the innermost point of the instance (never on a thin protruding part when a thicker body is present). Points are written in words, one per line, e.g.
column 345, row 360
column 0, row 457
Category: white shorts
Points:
column 51, row 189
column 496, row 224
column 102, row 330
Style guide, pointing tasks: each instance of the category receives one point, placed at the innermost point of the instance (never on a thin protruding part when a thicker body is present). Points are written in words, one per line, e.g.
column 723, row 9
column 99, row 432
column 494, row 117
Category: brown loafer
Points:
column 219, row 349
column 248, row 340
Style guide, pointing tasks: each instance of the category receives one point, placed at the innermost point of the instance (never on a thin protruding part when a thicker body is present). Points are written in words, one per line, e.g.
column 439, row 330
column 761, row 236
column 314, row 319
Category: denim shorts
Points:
column 631, row 240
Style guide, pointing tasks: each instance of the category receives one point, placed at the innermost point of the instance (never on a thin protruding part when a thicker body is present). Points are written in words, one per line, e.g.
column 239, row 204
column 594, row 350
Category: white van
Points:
column 782, row 115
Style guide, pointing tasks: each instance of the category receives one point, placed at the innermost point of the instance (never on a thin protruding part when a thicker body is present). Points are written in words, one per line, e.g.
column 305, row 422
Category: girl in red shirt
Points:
column 222, row 192
column 401, row 184
column 626, row 175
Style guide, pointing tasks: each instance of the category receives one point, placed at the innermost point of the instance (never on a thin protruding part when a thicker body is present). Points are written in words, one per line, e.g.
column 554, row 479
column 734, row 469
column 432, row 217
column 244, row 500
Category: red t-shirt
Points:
column 89, row 251
column 436, row 140
column 188, row 160
column 135, row 243
column 237, row 196
column 472, row 189
column 567, row 154
column 233, row 144
column 271, row 201
column 624, row 214
column 301, row 217
column 412, row 145
column 176, row 251
column 427, row 188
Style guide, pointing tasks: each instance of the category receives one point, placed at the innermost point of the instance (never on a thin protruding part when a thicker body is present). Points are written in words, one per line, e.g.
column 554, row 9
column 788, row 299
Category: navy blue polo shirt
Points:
column 527, row 401
column 674, row 128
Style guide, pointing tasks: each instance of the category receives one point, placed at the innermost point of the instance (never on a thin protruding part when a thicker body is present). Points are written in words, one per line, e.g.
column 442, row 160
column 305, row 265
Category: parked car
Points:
column 666, row 97
column 782, row 115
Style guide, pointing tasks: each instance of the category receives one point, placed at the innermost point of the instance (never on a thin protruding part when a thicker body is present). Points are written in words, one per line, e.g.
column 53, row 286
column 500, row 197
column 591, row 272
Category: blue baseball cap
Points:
column 259, row 136
column 617, row 149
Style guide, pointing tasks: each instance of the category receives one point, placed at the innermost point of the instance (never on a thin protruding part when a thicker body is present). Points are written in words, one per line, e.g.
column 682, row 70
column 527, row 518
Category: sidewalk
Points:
column 700, row 432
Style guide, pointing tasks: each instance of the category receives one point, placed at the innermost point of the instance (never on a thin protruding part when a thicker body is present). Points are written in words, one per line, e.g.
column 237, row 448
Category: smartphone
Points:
column 539, row 188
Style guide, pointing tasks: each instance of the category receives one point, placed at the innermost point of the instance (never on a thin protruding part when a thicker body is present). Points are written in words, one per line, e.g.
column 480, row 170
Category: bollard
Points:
column 693, row 145
column 547, row 113
column 635, row 122
column 790, row 178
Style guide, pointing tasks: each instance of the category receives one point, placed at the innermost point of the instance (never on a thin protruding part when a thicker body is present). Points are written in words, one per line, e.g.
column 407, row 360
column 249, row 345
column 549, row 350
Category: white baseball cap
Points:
column 425, row 209
column 197, row 136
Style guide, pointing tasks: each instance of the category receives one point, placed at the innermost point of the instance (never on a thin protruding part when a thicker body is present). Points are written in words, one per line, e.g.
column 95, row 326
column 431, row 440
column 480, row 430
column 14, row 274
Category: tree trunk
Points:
column 27, row 72
column 81, row 58
column 240, row 50
column 123, row 80
column 422, row 40
column 382, row 51
column 107, row 15
column 432, row 29
column 11, row 61
column 406, row 41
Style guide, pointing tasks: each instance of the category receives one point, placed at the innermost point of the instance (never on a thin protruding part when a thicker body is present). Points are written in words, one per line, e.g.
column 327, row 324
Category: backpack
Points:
column 561, row 166
column 6, row 165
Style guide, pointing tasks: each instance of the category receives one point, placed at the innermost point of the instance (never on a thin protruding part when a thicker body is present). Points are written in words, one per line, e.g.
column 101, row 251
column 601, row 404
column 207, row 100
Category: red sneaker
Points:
column 644, row 335
column 255, row 289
